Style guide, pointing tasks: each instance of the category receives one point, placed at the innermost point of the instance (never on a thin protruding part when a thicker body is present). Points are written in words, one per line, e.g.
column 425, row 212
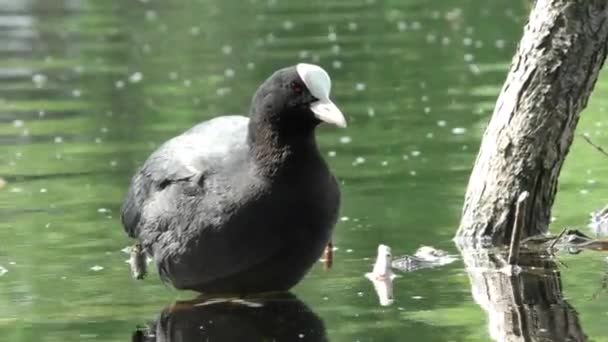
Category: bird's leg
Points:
column 328, row 256
column 138, row 262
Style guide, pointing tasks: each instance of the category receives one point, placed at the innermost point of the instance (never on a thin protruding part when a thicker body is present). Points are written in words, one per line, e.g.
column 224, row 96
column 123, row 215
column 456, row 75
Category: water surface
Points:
column 89, row 88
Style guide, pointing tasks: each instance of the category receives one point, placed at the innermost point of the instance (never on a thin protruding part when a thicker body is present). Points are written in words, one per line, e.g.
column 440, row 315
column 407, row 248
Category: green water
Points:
column 89, row 88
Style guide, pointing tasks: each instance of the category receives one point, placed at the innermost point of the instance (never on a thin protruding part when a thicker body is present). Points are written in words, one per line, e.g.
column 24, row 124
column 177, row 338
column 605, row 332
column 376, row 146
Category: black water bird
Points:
column 237, row 204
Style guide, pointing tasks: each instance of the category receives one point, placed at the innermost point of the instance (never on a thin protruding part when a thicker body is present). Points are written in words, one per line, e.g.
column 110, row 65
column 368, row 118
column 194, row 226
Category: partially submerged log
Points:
column 551, row 78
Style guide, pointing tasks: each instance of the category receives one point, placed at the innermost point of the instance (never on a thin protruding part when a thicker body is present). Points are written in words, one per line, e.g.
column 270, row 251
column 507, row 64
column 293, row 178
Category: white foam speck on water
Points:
column 344, row 218
column 226, row 49
column 331, row 154
column 39, row 80
column 96, row 268
column 360, row 86
column 441, row 123
column 417, row 297
column 346, row 140
column 459, row 130
column 3, row 271
column 195, row 30
column 103, row 210
column 415, row 153
column 119, row 84
column 359, row 160
column 288, row 25
column 371, row 112
column 136, row 77
column 229, row 73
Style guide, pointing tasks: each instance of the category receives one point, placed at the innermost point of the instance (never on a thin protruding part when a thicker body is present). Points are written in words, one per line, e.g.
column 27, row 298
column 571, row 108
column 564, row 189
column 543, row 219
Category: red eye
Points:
column 297, row 87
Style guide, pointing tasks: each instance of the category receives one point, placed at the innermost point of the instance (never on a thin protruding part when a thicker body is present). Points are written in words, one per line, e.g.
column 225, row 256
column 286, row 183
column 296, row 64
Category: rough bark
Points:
column 527, row 305
column 552, row 75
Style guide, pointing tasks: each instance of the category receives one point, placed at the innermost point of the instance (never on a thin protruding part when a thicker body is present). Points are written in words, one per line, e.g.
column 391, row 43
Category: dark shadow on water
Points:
column 280, row 318
column 525, row 305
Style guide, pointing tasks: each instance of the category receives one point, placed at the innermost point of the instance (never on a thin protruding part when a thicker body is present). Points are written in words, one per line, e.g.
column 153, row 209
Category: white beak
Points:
column 328, row 112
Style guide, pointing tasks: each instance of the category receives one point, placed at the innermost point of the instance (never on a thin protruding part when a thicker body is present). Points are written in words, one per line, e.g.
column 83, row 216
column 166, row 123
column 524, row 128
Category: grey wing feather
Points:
column 182, row 158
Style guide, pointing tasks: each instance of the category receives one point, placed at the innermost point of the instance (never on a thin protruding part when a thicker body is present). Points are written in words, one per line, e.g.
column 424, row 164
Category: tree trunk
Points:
column 552, row 75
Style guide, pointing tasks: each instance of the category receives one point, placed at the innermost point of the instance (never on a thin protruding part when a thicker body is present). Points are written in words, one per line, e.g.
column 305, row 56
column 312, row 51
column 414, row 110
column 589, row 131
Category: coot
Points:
column 242, row 205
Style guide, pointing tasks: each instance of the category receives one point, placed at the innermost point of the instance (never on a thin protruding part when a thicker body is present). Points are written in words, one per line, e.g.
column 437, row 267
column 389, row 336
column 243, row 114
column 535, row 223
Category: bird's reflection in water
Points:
column 280, row 318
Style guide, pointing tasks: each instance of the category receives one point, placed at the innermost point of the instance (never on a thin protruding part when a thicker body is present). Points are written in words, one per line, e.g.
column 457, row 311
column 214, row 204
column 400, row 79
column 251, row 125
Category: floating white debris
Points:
column 431, row 38
column 445, row 41
column 441, row 123
column 371, row 112
column 416, row 25
column 332, row 37
column 412, row 173
column 136, row 77
column 331, row 154
column 96, row 268
column 229, row 73
column 359, row 160
column 103, row 210
column 353, row 26
column 415, row 153
column 360, row 86
column 250, row 66
column 346, row 140
column 430, row 135
column 58, row 140
column 39, row 80
column 401, row 26
column 119, row 84
column 584, row 191
column 500, row 44
column 335, row 49
column 43, row 190
column 195, row 30
column 2, row 271
column 468, row 57
column 288, row 25
column 151, row 15
column 467, row 41
column 18, row 123
column 226, row 49
column 417, row 297
column 459, row 130
column 344, row 218
column 382, row 276
column 384, row 163
column 76, row 92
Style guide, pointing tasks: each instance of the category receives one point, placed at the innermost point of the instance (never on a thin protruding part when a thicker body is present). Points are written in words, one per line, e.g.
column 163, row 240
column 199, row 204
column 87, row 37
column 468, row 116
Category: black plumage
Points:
column 237, row 204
